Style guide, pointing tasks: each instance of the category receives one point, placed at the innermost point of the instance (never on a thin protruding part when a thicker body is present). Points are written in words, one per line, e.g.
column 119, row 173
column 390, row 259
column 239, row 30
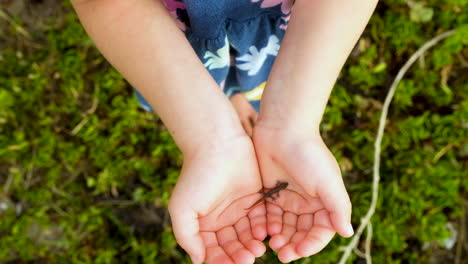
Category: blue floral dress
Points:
column 236, row 40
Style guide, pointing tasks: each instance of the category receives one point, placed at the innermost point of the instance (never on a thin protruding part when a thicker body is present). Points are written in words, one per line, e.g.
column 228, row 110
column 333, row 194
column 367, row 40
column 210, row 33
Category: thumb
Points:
column 186, row 231
column 336, row 200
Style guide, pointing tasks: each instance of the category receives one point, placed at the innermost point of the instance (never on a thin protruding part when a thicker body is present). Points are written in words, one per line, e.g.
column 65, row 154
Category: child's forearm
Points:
column 141, row 40
column 319, row 38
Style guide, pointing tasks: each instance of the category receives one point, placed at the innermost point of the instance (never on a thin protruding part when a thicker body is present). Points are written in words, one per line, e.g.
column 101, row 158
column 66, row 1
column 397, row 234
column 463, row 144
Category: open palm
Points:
column 208, row 205
column 303, row 218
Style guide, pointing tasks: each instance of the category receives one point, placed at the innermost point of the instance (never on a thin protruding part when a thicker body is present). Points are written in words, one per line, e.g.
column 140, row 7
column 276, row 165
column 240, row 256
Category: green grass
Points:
column 85, row 175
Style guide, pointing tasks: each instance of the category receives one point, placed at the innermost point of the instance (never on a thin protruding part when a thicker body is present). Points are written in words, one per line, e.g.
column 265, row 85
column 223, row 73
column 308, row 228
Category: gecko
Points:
column 270, row 193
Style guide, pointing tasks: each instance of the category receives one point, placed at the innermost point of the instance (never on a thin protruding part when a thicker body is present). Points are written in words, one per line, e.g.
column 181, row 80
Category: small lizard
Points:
column 270, row 193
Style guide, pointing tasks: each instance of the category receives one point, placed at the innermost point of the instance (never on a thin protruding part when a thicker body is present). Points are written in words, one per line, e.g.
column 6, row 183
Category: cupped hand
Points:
column 208, row 204
column 303, row 218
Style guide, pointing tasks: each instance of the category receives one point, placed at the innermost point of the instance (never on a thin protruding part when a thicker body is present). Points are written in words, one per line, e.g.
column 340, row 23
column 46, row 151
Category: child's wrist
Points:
column 289, row 115
column 212, row 140
column 288, row 128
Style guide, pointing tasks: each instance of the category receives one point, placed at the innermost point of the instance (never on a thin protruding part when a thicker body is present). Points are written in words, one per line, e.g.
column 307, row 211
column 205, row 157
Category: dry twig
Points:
column 359, row 253
column 14, row 24
column 368, row 244
column 365, row 221
column 89, row 112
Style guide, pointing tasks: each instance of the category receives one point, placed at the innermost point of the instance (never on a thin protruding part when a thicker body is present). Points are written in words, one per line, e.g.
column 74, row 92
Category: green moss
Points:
column 74, row 145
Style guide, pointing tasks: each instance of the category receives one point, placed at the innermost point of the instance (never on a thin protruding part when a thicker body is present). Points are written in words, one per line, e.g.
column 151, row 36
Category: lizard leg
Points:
column 275, row 196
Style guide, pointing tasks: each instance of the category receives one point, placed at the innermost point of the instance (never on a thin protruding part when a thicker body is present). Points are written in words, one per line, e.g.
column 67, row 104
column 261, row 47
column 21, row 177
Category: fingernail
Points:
column 350, row 230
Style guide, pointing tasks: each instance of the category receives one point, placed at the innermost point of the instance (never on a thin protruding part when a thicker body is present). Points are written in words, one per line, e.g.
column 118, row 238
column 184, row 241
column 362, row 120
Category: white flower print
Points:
column 219, row 60
column 255, row 60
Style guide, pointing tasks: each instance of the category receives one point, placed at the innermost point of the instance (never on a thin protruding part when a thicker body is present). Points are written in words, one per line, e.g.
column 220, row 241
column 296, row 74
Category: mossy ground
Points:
column 85, row 175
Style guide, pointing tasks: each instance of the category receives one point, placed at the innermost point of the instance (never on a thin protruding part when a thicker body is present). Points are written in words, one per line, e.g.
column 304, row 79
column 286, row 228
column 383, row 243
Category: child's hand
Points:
column 305, row 216
column 208, row 204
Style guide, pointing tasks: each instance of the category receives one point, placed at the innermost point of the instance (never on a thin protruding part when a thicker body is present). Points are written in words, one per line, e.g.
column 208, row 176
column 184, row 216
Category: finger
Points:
column 304, row 224
column 274, row 219
column 255, row 116
column 288, row 254
column 244, row 126
column 318, row 237
column 228, row 240
column 247, row 126
column 214, row 253
column 297, row 238
column 217, row 255
column 252, row 117
column 186, row 231
column 336, row 201
column 288, row 230
column 244, row 233
column 258, row 222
